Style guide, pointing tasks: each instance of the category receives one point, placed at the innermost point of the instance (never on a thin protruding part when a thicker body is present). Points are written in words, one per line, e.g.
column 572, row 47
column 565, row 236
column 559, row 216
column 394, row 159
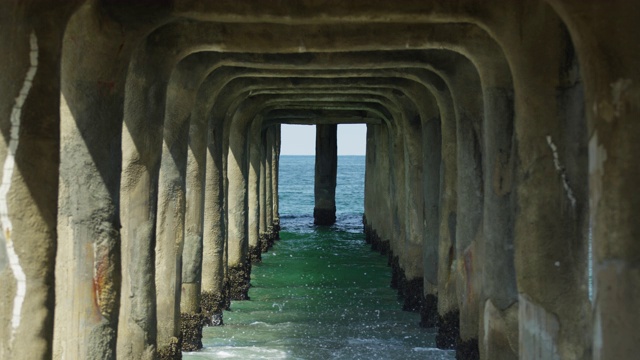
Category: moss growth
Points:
column 429, row 311
column 239, row 281
column 448, row 330
column 173, row 351
column 412, row 292
column 371, row 237
column 191, row 330
column 255, row 253
column 212, row 305
column 467, row 350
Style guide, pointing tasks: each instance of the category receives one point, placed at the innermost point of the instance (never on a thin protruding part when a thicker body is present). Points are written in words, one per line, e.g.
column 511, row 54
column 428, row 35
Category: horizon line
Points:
column 315, row 154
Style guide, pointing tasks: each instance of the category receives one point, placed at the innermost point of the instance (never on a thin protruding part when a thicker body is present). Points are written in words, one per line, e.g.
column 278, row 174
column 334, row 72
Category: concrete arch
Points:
column 536, row 175
column 609, row 82
column 504, row 32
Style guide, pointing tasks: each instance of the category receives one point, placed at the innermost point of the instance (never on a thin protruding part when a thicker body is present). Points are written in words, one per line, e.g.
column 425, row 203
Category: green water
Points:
column 320, row 293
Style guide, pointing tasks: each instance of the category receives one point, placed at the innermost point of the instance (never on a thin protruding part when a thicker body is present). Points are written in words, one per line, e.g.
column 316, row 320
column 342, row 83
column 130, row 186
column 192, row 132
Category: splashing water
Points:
column 325, row 295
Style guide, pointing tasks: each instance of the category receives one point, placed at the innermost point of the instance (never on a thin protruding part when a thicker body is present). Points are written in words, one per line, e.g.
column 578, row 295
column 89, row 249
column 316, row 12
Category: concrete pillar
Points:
column 190, row 297
column 381, row 219
column 141, row 150
column 611, row 78
column 370, row 198
column 170, row 231
column 368, row 217
column 499, row 310
column 31, row 42
column 411, row 281
column 214, row 238
column 432, row 152
column 269, row 198
column 447, row 305
column 275, row 168
column 94, row 58
column 397, row 193
column 469, row 235
column 324, row 211
column 263, row 189
column 253, row 195
column 551, row 189
column 239, row 266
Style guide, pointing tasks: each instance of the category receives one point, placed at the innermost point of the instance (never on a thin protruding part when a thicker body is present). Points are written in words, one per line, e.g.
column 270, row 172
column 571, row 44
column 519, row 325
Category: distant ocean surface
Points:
column 320, row 292
column 296, row 191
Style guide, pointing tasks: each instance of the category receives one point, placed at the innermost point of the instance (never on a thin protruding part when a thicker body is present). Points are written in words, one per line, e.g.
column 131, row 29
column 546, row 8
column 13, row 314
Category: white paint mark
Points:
column 560, row 169
column 9, row 163
column 557, row 264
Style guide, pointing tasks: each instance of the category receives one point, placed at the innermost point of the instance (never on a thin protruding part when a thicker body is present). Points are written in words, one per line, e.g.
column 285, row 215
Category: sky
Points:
column 301, row 139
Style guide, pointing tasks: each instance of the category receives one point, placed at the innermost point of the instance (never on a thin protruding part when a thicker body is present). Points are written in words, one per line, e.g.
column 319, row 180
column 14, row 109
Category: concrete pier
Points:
column 141, row 145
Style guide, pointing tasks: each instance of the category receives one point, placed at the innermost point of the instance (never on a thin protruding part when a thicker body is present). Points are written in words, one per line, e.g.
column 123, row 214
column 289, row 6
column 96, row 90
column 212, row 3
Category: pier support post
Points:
column 324, row 212
column 31, row 39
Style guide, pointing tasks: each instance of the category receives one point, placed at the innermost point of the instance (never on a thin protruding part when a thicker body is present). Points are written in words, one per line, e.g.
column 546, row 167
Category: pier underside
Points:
column 141, row 165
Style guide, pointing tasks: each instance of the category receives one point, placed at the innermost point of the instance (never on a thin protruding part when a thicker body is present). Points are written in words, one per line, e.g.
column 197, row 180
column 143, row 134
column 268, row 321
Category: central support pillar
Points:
column 324, row 212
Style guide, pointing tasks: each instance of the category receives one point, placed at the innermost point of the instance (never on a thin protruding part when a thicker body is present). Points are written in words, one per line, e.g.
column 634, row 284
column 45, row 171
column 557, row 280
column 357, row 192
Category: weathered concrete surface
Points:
column 214, row 262
column 170, row 228
column 182, row 91
column 88, row 267
column 31, row 41
column 537, row 146
column 254, row 196
column 326, row 169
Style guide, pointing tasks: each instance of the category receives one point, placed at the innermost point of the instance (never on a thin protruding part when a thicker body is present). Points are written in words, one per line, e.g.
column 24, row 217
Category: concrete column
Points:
column 551, row 190
column 214, row 238
column 239, row 266
column 170, row 231
column 30, row 121
column 270, row 233
column 447, row 305
column 411, row 281
column 190, row 297
column 141, row 150
column 369, row 182
column 469, row 236
column 275, row 168
column 263, row 189
column 377, row 198
column 397, row 186
column 324, row 211
column 465, row 93
column 500, row 307
column 612, row 108
column 94, row 58
column 369, row 170
column 432, row 152
column 254, row 196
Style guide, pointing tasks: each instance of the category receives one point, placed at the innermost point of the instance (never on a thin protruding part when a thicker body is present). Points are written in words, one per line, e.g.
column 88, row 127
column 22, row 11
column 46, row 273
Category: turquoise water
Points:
column 320, row 293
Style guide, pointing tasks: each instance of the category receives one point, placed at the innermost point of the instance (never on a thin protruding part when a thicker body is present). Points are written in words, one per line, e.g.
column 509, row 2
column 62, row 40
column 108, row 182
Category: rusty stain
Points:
column 102, row 284
column 106, row 87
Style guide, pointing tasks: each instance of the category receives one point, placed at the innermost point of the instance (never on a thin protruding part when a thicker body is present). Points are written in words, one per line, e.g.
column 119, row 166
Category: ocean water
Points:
column 320, row 292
